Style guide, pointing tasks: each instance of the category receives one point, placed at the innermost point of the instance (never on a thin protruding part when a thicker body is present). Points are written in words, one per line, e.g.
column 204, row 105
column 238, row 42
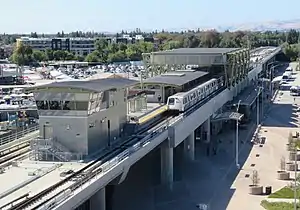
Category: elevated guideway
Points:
column 170, row 133
column 167, row 134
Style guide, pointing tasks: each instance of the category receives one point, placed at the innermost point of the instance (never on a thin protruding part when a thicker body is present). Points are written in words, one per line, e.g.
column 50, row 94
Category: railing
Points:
column 18, row 135
column 52, row 146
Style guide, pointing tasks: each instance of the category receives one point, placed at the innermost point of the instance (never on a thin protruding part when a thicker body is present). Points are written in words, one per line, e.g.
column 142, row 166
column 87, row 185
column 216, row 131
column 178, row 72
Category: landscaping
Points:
column 277, row 205
column 285, row 192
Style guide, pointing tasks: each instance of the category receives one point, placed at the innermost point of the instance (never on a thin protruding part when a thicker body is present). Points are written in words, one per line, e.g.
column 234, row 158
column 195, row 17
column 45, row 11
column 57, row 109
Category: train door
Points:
column 47, row 131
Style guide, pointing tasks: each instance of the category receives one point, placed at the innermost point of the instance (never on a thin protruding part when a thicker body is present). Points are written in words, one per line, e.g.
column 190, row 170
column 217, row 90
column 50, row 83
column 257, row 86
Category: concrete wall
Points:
column 69, row 131
column 106, row 125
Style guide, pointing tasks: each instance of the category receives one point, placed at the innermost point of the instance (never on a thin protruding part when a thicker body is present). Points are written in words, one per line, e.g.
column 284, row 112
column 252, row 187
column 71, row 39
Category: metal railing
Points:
column 51, row 146
column 17, row 135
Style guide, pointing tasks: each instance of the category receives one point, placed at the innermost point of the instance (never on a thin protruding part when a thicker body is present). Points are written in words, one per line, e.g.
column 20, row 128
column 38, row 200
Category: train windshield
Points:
column 171, row 101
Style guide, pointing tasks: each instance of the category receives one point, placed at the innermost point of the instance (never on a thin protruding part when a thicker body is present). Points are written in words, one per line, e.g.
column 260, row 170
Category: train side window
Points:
column 55, row 105
column 184, row 101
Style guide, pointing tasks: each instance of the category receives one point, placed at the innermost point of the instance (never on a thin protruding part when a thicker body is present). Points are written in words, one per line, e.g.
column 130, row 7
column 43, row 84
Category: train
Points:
column 182, row 101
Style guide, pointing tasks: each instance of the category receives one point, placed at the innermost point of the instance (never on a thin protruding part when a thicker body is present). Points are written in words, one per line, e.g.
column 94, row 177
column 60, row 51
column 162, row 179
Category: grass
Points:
column 285, row 192
column 277, row 205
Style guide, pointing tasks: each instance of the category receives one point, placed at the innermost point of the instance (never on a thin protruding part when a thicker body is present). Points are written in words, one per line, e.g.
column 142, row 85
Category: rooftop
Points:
column 178, row 78
column 97, row 85
column 198, row 51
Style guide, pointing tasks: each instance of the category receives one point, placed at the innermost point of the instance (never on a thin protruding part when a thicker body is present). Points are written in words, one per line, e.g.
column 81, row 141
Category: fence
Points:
column 18, row 134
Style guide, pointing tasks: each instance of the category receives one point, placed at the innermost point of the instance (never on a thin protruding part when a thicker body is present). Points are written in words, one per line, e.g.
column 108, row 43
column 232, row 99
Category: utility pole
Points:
column 257, row 107
column 237, row 138
column 295, row 183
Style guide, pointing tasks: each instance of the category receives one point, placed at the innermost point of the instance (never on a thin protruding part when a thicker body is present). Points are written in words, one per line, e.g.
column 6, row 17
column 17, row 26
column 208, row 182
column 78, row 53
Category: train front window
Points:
column 171, row 101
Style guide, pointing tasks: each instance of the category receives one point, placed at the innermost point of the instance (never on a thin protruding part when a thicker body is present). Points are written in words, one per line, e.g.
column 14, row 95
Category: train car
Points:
column 184, row 100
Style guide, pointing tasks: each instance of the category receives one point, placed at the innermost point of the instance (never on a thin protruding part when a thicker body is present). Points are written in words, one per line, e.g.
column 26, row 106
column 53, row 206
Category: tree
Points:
column 282, row 163
column 92, row 57
column 255, row 178
column 22, row 54
column 39, row 56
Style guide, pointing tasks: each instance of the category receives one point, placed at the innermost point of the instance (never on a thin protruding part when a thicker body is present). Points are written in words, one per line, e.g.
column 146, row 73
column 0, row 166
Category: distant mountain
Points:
column 264, row 26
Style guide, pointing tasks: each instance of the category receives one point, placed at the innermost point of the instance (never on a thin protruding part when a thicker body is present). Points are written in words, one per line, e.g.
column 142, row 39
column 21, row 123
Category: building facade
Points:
column 79, row 46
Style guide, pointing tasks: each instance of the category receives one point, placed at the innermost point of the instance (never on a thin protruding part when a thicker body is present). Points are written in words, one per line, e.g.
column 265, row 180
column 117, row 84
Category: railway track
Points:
column 14, row 152
column 48, row 198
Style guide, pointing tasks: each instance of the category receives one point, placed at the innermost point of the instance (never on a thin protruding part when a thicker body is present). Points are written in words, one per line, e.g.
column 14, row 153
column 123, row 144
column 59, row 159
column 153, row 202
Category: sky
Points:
column 51, row 16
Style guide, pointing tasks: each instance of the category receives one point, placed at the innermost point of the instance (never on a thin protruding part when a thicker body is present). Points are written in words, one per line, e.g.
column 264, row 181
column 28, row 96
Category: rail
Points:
column 17, row 135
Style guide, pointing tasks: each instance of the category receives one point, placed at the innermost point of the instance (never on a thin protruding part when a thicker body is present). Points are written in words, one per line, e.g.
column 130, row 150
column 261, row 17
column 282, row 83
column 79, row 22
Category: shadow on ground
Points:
column 282, row 115
column 207, row 180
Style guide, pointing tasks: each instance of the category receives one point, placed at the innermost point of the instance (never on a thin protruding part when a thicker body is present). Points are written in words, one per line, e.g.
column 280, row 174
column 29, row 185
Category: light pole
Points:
column 295, row 183
column 257, row 108
column 237, row 138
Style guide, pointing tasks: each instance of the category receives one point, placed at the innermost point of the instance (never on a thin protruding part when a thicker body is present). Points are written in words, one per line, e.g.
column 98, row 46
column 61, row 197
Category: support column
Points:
column 97, row 201
column 208, row 129
column 189, row 147
column 166, row 164
column 208, row 137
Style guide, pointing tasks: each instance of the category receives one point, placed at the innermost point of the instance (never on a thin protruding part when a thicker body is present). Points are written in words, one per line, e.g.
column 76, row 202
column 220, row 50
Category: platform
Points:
column 153, row 109
column 9, row 180
column 247, row 97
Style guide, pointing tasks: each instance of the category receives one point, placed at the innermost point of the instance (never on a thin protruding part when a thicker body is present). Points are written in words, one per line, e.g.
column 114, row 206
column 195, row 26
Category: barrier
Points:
column 18, row 135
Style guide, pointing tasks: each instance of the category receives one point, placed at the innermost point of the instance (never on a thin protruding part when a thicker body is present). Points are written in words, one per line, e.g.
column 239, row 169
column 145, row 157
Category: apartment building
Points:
column 78, row 46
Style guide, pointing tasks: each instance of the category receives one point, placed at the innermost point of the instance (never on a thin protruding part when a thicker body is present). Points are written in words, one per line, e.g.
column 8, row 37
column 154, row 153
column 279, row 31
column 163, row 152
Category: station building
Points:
column 79, row 118
column 168, row 84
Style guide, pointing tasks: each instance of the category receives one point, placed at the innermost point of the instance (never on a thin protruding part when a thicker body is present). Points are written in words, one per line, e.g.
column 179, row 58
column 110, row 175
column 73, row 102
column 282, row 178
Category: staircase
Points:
column 52, row 146
column 58, row 154
column 59, row 150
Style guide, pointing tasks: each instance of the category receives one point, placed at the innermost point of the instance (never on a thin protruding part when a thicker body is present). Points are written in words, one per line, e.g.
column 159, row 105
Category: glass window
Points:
column 55, row 105
column 69, row 105
column 171, row 101
column 42, row 105
column 82, row 105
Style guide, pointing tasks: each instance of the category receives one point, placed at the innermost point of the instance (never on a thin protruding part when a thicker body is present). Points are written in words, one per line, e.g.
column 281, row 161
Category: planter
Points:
column 283, row 175
column 294, row 156
column 255, row 190
column 291, row 166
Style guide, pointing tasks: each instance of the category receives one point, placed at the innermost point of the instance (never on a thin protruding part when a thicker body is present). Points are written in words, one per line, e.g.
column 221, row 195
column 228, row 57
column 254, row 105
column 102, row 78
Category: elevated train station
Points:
column 80, row 120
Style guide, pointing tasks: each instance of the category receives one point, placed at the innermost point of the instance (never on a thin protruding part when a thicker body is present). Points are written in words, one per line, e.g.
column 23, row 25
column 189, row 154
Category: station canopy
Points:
column 228, row 116
column 97, row 85
column 176, row 78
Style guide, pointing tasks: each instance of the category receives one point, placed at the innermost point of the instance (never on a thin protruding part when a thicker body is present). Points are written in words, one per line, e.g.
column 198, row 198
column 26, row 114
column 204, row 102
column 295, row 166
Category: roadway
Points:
column 116, row 166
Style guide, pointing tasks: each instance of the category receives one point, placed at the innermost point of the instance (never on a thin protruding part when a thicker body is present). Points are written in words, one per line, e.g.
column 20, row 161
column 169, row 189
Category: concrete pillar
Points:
column 166, row 164
column 208, row 129
column 189, row 147
column 97, row 201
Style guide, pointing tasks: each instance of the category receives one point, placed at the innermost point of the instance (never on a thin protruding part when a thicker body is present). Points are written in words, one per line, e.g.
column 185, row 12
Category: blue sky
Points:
column 104, row 15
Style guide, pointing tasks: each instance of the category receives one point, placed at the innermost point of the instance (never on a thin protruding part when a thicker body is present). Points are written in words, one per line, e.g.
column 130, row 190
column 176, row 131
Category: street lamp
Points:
column 259, row 90
column 237, row 138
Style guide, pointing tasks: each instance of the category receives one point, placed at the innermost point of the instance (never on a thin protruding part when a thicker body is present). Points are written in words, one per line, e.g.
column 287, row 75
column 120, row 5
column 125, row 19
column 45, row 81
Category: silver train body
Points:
column 184, row 100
